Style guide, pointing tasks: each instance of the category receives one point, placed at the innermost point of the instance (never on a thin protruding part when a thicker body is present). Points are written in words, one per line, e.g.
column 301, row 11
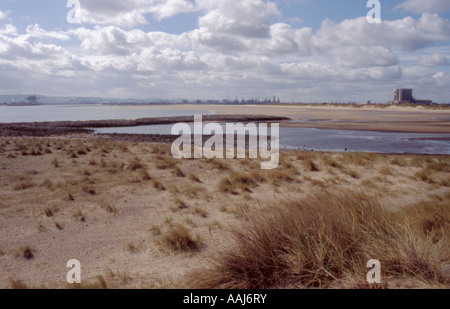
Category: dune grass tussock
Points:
column 219, row 164
column 238, row 181
column 26, row 252
column 429, row 218
column 165, row 162
column 180, row 240
column 311, row 166
column 279, row 177
column 24, row 185
column 319, row 241
column 135, row 164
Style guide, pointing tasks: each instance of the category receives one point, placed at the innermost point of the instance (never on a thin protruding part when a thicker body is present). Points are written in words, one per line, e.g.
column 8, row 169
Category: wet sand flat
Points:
column 392, row 119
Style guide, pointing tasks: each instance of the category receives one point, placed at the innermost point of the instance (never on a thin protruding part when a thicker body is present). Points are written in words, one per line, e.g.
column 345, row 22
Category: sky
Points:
column 296, row 50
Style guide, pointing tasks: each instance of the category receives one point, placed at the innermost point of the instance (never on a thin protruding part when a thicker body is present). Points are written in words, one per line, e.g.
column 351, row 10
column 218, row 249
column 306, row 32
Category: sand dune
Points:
column 137, row 218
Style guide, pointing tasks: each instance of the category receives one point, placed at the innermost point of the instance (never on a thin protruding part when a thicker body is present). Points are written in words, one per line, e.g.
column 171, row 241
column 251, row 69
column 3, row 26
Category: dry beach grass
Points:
column 137, row 218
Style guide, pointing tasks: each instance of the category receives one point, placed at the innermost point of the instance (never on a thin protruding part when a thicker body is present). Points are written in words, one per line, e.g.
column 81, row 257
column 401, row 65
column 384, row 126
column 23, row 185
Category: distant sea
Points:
column 41, row 113
column 290, row 138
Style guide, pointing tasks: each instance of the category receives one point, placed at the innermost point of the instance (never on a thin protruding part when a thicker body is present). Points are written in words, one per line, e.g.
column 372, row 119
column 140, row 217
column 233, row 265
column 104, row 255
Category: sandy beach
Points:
column 391, row 119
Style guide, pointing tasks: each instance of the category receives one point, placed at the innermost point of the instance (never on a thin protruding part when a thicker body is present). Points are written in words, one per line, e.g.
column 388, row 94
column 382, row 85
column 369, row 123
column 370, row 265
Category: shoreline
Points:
column 326, row 121
column 169, row 139
column 47, row 128
column 370, row 127
column 398, row 119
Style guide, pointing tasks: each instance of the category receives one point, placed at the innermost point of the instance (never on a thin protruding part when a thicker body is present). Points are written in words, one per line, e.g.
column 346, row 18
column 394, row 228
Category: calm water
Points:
column 334, row 140
column 87, row 112
column 290, row 138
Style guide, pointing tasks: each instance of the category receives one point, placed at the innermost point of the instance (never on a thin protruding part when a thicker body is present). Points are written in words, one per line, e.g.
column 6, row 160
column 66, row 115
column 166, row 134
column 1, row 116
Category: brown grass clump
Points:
column 200, row 212
column 399, row 161
column 161, row 149
column 24, row 185
column 445, row 182
column 144, row 175
column 133, row 248
column 219, row 164
column 112, row 167
column 17, row 284
column 387, row 171
column 310, row 165
column 328, row 160
column 180, row 204
column 238, row 181
column 352, row 173
column 82, row 151
column 50, row 211
column 26, row 252
column 428, row 218
column 178, row 172
column 425, row 175
column 319, row 242
column 79, row 216
column 89, row 190
column 135, row 164
column 358, row 158
column 180, row 240
column 109, row 208
column 56, row 163
column 194, row 178
column 158, row 185
column 165, row 162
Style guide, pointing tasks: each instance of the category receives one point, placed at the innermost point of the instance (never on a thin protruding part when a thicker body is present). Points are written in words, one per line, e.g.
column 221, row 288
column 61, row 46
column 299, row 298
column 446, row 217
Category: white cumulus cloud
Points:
column 239, row 48
column 425, row 6
column 131, row 13
column 433, row 60
column 246, row 18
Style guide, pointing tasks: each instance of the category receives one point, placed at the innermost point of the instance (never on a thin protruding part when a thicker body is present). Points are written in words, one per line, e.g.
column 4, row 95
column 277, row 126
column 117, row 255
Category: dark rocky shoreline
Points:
column 43, row 129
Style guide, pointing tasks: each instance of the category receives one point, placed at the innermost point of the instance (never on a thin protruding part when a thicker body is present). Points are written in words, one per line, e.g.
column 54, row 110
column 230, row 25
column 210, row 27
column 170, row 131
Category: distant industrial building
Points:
column 406, row 96
column 403, row 95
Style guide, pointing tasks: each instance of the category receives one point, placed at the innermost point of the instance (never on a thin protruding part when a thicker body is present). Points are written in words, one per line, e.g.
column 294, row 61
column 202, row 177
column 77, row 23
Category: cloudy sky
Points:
column 302, row 50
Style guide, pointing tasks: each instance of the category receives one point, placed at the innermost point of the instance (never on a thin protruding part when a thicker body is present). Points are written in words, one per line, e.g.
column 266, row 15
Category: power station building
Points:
column 403, row 96
column 406, row 96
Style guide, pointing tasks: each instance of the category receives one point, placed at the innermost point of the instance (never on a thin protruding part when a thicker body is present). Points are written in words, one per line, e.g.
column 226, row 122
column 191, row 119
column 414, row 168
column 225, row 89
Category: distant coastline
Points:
column 22, row 104
column 433, row 106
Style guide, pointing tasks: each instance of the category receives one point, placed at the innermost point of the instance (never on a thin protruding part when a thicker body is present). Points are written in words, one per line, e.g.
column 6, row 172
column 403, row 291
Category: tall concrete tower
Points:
column 403, row 95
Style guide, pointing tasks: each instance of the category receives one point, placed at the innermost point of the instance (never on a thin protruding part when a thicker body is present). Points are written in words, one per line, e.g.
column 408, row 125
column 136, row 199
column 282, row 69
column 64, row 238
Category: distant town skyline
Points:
column 296, row 50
